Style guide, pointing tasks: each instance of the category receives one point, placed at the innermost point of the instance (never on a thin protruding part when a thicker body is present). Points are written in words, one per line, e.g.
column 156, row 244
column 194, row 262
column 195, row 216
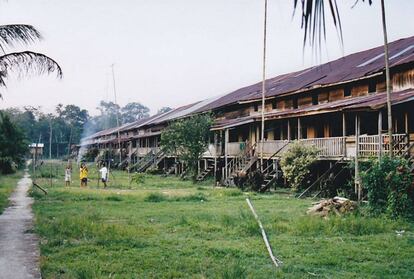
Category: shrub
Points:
column 7, row 165
column 388, row 182
column 138, row 178
column 156, row 197
column 296, row 163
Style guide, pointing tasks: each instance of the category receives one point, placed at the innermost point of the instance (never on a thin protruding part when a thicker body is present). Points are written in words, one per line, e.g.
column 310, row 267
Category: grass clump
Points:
column 7, row 184
column 156, row 197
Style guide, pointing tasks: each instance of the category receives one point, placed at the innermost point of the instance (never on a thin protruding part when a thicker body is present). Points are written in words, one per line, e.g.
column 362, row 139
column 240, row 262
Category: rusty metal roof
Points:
column 369, row 102
column 349, row 68
column 230, row 123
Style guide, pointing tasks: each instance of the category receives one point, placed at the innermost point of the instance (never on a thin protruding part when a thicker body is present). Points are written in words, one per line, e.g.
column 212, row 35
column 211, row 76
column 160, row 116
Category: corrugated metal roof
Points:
column 369, row 102
column 351, row 67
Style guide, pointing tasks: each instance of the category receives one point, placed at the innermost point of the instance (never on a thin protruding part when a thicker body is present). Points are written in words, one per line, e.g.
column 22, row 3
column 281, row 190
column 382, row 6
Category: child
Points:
column 68, row 175
column 104, row 174
column 83, row 175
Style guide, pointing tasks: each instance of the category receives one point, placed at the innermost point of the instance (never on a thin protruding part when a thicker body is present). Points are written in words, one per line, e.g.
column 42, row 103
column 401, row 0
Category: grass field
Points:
column 168, row 228
column 7, row 185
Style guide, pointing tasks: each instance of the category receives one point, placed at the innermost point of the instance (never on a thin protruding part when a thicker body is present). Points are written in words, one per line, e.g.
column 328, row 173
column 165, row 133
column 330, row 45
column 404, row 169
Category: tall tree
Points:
column 12, row 144
column 188, row 140
column 134, row 111
column 164, row 109
column 107, row 117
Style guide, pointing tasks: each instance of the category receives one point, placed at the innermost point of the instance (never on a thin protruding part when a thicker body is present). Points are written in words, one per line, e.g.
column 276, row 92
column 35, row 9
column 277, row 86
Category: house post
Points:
column 288, row 129
column 406, row 122
column 379, row 135
column 357, row 180
column 215, row 157
column 344, row 134
column 299, row 129
column 226, row 149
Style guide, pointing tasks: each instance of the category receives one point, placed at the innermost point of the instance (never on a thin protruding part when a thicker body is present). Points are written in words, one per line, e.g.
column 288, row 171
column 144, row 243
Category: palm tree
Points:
column 313, row 24
column 25, row 62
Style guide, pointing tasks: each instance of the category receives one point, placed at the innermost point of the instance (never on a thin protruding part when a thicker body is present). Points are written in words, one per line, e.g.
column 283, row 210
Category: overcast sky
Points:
column 174, row 52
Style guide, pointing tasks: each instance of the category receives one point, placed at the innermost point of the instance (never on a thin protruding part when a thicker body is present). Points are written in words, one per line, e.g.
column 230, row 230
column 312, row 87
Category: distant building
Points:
column 36, row 149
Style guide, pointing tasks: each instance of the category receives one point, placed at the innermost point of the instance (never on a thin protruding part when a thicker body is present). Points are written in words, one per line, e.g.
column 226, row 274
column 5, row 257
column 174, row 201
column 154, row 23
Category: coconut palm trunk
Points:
column 387, row 79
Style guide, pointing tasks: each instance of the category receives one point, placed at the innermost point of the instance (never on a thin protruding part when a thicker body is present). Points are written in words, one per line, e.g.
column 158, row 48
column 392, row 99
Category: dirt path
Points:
column 19, row 250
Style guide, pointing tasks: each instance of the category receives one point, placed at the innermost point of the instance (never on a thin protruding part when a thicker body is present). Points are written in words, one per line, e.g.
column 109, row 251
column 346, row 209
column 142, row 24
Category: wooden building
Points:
column 339, row 107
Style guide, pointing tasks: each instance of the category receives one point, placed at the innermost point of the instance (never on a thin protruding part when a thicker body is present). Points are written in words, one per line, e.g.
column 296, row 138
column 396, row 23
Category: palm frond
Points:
column 313, row 19
column 18, row 33
column 27, row 63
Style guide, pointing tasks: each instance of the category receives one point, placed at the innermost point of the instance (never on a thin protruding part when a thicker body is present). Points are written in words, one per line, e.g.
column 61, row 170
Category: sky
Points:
column 175, row 52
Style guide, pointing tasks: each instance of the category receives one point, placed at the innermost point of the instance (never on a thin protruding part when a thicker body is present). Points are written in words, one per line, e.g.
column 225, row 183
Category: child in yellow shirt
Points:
column 83, row 175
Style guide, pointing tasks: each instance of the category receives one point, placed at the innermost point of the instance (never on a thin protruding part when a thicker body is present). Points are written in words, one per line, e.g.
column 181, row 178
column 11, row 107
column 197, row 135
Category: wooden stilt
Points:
column 379, row 135
column 357, row 180
column 344, row 134
column 226, row 140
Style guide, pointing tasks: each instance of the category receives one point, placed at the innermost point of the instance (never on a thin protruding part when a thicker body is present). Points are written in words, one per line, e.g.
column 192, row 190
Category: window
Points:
column 372, row 87
column 256, row 107
column 347, row 91
column 314, row 99
column 274, row 104
column 295, row 103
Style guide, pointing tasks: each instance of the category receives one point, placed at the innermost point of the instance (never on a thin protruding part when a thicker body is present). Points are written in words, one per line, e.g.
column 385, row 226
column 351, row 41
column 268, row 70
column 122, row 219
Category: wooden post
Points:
column 344, row 133
column 299, row 129
column 357, row 181
column 379, row 135
column 406, row 122
column 226, row 150
column 288, row 130
column 215, row 157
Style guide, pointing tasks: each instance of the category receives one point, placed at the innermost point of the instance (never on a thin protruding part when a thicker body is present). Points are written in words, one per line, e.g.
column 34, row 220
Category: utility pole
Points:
column 263, row 83
column 387, row 79
column 50, row 148
column 117, row 114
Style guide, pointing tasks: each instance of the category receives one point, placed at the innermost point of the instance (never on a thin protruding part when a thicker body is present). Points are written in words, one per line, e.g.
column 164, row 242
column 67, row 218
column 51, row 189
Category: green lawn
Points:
column 7, row 185
column 168, row 228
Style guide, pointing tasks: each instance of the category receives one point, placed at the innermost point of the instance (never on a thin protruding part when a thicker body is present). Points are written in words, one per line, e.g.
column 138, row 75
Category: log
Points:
column 275, row 260
column 43, row 190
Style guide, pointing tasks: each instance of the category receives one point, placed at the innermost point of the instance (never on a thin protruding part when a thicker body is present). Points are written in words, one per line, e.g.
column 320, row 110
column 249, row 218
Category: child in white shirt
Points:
column 104, row 174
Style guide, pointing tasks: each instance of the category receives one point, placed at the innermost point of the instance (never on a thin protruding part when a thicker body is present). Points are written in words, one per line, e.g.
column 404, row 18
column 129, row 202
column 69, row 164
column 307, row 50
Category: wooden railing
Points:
column 370, row 146
column 142, row 151
column 235, row 148
column 328, row 147
column 212, row 151
column 271, row 146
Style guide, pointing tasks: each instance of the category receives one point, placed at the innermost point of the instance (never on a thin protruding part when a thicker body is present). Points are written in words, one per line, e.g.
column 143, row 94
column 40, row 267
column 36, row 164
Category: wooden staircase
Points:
column 238, row 166
column 333, row 171
column 203, row 174
column 270, row 175
column 172, row 168
column 270, row 170
column 151, row 159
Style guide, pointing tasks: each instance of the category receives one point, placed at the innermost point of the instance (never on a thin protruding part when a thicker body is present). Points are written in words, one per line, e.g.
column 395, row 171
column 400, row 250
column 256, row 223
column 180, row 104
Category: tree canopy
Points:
column 188, row 140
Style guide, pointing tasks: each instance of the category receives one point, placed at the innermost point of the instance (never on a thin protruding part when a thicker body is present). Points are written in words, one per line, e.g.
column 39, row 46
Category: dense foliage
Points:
column 188, row 140
column 69, row 123
column 388, row 182
column 296, row 163
column 12, row 145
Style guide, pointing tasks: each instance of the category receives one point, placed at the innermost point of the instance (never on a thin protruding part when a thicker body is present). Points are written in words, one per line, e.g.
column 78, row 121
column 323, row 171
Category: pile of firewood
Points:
column 337, row 205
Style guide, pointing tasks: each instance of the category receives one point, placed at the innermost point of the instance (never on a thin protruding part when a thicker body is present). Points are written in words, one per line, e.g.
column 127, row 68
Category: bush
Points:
column 138, row 178
column 156, row 197
column 7, row 166
column 388, row 182
column 296, row 163
column 90, row 155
